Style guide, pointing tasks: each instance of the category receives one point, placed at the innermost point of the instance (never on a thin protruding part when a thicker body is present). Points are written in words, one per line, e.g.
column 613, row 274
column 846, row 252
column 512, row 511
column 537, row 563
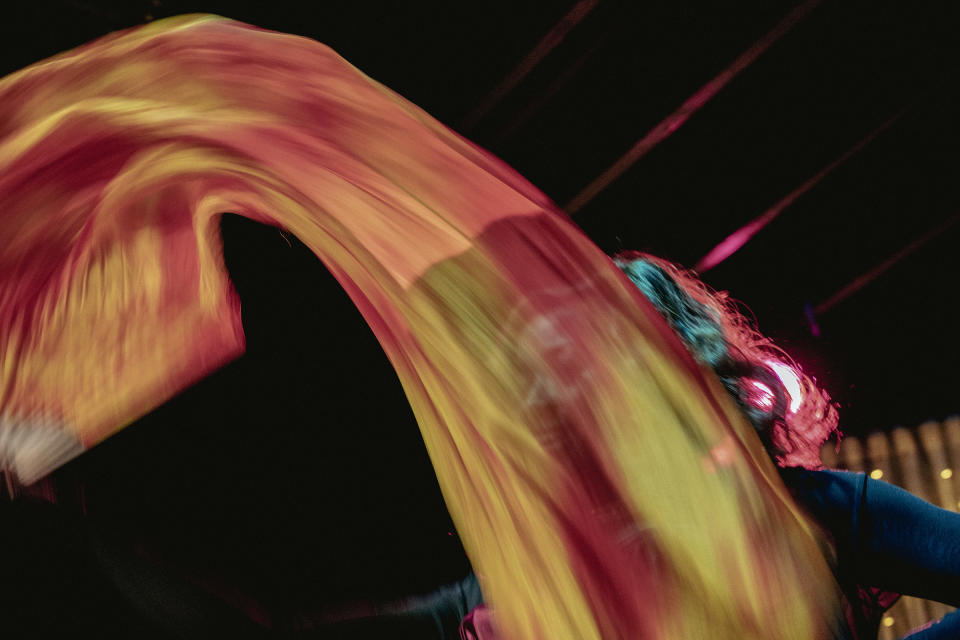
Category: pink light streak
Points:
column 863, row 280
column 547, row 44
column 732, row 243
column 761, row 395
column 790, row 381
column 693, row 104
column 549, row 92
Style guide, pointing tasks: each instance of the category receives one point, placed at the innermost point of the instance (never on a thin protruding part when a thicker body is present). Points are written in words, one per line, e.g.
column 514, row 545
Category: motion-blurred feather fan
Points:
column 568, row 427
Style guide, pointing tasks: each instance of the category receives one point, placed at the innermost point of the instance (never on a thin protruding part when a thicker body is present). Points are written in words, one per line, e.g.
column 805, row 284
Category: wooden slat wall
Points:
column 922, row 460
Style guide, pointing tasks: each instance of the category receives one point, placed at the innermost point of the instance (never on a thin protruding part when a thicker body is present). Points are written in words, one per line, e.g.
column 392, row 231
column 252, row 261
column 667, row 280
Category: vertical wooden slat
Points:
column 951, row 429
column 940, row 474
column 829, row 455
column 909, row 612
column 878, row 455
column 940, row 471
column 928, row 483
column 851, row 454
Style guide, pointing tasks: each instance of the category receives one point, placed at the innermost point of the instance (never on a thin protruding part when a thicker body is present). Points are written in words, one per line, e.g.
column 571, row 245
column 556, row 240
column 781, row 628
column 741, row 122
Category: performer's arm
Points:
column 435, row 616
column 910, row 546
column 447, row 606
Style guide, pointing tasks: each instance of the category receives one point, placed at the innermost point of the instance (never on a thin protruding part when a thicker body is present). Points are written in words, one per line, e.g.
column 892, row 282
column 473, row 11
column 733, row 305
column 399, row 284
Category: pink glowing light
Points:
column 761, row 396
column 690, row 106
column 732, row 243
column 791, row 382
column 547, row 44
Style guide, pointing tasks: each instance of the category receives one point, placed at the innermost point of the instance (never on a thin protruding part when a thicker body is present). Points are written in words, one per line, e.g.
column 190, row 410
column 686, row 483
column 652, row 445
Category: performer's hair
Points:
column 792, row 423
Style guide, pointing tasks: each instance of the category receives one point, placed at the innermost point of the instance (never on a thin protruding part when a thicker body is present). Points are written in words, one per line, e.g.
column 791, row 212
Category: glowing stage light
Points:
column 761, row 396
column 791, row 382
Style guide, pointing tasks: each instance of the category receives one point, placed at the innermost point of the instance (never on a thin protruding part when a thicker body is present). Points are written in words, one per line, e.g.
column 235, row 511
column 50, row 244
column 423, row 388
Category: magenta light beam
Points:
column 732, row 243
column 549, row 92
column 693, row 104
column 554, row 37
column 863, row 280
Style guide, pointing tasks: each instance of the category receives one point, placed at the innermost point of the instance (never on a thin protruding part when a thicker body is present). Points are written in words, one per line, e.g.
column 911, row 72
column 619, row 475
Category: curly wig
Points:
column 791, row 414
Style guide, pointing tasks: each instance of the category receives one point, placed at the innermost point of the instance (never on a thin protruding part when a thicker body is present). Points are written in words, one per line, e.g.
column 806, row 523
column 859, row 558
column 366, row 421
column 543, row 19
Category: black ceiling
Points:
column 889, row 351
column 846, row 70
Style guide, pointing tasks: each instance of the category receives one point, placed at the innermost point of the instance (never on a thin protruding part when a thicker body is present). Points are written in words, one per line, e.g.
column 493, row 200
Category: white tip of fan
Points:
column 32, row 448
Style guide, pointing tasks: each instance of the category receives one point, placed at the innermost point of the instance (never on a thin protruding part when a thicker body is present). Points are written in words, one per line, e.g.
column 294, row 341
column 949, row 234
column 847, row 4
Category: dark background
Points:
column 241, row 478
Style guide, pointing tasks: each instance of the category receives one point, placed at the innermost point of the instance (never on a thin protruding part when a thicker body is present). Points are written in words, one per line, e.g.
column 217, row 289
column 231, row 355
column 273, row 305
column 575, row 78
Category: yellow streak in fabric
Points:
column 570, row 432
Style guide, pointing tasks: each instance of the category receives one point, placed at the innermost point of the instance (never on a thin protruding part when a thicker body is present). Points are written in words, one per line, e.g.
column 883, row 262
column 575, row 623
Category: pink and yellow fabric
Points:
column 570, row 431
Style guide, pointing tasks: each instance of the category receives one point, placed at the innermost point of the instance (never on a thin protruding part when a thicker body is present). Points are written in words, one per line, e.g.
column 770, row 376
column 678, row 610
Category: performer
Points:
column 887, row 541
column 604, row 482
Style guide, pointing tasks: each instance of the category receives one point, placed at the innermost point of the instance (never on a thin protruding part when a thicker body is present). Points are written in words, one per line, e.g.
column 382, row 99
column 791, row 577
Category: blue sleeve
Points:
column 912, row 547
column 908, row 545
column 887, row 538
column 445, row 607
